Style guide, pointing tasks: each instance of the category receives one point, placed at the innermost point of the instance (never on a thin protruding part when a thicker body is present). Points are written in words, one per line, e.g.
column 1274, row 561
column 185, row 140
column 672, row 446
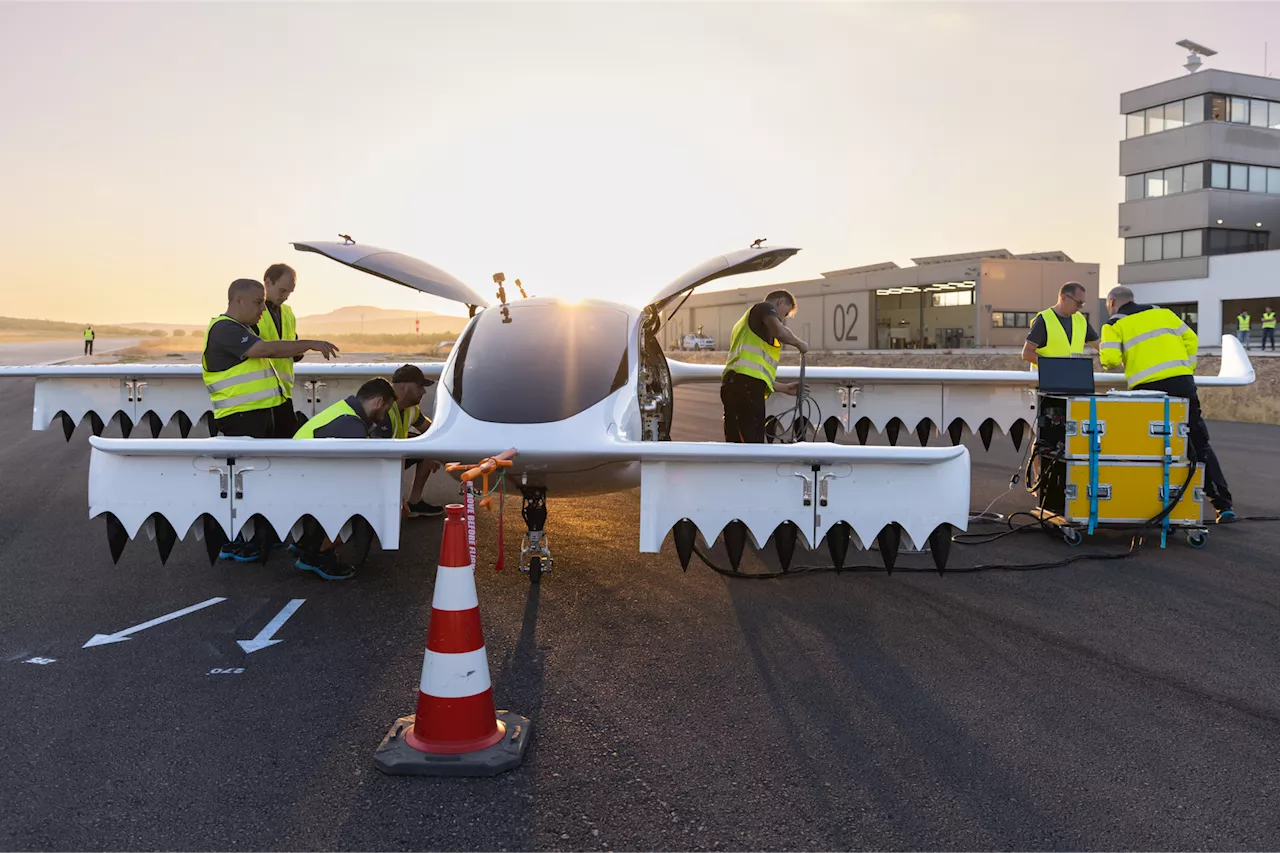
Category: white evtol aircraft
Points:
column 583, row 392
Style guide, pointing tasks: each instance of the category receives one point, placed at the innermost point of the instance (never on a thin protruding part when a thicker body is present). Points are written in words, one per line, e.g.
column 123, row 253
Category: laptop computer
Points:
column 1067, row 377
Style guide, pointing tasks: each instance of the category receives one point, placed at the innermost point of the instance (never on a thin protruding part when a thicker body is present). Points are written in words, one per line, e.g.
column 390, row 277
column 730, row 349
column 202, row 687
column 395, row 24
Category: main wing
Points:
column 930, row 402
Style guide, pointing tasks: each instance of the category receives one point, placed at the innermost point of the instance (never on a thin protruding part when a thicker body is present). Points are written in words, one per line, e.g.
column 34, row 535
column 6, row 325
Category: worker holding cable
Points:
column 1158, row 352
column 749, row 377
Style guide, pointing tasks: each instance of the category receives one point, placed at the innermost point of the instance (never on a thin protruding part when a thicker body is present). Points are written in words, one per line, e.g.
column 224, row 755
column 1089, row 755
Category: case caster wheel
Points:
column 1072, row 536
column 1198, row 540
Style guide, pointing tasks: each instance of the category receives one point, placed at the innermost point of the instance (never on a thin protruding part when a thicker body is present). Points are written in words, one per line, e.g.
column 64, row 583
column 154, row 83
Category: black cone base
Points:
column 395, row 757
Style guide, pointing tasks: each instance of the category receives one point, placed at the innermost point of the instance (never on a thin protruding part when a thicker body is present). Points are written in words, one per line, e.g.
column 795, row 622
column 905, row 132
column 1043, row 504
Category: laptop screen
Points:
column 1066, row 376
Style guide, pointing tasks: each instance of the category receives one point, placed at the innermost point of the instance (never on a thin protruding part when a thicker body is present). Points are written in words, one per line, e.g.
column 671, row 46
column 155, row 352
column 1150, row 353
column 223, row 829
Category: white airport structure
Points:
column 1201, row 166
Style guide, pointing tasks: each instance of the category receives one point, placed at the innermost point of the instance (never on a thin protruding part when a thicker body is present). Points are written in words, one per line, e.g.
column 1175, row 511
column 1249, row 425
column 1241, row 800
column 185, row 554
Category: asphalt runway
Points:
column 53, row 352
column 1121, row 705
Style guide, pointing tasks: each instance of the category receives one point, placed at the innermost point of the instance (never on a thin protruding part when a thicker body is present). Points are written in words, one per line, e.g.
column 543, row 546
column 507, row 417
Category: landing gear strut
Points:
column 535, row 557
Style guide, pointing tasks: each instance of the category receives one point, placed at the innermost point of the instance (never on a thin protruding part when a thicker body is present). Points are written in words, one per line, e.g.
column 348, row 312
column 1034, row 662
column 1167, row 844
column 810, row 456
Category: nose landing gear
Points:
column 535, row 556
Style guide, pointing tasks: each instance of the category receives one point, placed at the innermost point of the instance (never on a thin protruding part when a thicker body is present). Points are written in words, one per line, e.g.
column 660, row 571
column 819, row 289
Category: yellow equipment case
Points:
column 1132, row 492
column 1130, row 426
column 1117, row 459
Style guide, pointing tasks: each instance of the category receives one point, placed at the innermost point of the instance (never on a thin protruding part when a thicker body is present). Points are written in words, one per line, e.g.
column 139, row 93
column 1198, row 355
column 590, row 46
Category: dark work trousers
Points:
column 88, row 347
column 1215, row 484
column 743, row 399
column 257, row 423
column 1269, row 336
column 284, row 420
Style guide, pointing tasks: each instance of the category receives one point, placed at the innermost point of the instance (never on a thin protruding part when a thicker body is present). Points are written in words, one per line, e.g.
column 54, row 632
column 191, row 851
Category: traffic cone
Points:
column 455, row 731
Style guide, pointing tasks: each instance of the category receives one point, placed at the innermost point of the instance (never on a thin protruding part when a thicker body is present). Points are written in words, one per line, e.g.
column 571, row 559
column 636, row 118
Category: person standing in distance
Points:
column 749, row 377
column 88, row 340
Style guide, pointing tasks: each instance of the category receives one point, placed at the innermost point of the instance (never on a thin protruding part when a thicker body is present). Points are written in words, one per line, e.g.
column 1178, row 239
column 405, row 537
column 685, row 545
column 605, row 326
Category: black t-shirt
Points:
column 347, row 426
column 756, row 318
column 1039, row 335
column 226, row 345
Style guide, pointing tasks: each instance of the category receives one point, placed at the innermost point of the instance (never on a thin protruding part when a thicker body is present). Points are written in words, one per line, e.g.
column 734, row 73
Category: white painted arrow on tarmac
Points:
column 121, row 636
column 264, row 636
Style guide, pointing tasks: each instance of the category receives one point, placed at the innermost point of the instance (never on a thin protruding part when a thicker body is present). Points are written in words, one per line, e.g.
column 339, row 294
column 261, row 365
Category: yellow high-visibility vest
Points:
column 250, row 385
column 1153, row 344
column 1269, row 320
column 1056, row 343
column 1242, row 321
column 751, row 355
column 268, row 332
column 327, row 416
column 400, row 423
column 88, row 334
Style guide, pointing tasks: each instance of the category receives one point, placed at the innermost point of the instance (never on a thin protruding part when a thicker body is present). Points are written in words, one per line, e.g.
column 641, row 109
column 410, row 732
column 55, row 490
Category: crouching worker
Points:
column 403, row 419
column 349, row 418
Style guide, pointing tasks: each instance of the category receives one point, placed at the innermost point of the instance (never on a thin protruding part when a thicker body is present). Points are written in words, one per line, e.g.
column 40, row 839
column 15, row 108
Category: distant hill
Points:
column 350, row 320
column 364, row 319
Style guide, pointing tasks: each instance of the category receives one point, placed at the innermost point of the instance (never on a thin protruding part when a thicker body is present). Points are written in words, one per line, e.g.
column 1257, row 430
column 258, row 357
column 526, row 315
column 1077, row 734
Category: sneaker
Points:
column 422, row 509
column 1227, row 516
column 326, row 565
column 241, row 552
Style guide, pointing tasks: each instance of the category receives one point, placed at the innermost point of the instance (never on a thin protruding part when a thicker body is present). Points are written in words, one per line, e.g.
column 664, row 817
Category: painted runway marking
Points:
column 120, row 636
column 264, row 636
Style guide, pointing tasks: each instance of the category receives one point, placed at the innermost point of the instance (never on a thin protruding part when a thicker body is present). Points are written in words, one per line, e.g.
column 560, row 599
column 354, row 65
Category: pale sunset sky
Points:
column 153, row 152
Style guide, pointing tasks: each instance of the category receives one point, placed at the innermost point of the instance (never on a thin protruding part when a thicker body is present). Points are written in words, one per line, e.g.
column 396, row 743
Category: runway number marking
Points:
column 41, row 661
column 228, row 671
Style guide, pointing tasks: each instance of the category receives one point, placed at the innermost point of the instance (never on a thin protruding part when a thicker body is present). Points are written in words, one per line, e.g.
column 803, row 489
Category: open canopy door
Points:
column 741, row 261
column 399, row 268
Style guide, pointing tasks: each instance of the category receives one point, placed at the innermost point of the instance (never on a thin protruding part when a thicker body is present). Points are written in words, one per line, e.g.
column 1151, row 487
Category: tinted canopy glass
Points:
column 549, row 362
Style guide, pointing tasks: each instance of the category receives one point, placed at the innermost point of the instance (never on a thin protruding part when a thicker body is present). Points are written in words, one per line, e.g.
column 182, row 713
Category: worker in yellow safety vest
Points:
column 1268, row 328
column 88, row 340
column 1158, row 353
column 1242, row 328
column 1061, row 331
column 749, row 377
column 403, row 418
column 241, row 380
column 278, row 324
column 352, row 417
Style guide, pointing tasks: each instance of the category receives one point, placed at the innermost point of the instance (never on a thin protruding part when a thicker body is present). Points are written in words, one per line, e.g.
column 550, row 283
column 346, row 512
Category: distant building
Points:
column 974, row 299
column 1201, row 165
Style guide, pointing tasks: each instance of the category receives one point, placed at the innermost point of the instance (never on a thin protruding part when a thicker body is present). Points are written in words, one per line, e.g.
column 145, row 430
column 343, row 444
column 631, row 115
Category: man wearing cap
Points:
column 352, row 417
column 404, row 418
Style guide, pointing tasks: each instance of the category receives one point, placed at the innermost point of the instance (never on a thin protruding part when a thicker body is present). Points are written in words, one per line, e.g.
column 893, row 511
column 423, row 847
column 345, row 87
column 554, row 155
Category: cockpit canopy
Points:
column 539, row 361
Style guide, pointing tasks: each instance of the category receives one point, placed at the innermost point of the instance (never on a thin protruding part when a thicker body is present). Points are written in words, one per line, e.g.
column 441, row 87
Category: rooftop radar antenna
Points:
column 1197, row 50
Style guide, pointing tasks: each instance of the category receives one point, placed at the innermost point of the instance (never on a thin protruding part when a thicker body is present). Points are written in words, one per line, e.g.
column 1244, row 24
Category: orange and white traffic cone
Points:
column 455, row 731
